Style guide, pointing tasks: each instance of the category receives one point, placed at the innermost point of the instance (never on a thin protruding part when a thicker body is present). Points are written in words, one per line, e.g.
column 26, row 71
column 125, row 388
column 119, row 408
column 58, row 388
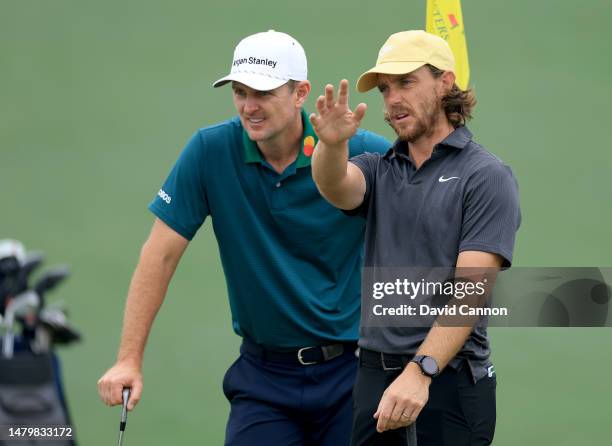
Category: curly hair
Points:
column 458, row 104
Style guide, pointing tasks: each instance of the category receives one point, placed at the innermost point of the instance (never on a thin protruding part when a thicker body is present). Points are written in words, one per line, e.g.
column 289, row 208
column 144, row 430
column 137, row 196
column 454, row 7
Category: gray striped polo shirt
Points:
column 462, row 198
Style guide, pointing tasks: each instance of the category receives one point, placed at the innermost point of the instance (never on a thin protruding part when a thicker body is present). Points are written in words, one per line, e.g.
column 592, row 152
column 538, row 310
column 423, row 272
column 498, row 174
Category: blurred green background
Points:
column 97, row 99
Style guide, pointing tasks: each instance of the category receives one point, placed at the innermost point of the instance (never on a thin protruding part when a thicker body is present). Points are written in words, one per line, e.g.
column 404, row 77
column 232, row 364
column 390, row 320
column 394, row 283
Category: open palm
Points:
column 335, row 122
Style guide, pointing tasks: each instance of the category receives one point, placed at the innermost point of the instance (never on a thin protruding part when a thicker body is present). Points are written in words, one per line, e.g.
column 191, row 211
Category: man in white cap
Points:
column 436, row 199
column 291, row 260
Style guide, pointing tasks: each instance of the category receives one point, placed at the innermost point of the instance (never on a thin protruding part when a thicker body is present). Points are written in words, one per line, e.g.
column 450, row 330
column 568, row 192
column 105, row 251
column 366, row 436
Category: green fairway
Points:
column 98, row 98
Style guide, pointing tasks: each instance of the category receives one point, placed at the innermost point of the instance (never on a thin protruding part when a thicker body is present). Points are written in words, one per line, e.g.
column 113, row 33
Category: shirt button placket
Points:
column 276, row 195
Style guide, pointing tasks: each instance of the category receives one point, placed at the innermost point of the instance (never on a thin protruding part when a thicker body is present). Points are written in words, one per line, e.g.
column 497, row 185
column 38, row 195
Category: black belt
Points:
column 302, row 356
column 385, row 361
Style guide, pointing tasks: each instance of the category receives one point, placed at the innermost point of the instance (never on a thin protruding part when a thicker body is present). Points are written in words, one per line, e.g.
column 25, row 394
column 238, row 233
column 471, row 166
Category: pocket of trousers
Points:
column 227, row 384
column 478, row 404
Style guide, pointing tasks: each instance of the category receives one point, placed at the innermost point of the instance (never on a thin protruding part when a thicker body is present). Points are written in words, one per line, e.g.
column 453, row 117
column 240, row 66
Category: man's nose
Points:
column 251, row 105
column 393, row 96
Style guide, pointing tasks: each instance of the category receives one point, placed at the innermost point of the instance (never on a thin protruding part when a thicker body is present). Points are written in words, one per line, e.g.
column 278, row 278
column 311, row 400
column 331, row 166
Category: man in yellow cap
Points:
column 435, row 199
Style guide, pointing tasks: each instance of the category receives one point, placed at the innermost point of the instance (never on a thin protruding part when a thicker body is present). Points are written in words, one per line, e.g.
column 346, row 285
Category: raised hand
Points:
column 335, row 123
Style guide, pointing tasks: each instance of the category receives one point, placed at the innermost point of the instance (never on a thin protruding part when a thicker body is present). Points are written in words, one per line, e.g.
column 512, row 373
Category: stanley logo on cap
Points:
column 267, row 60
column 255, row 61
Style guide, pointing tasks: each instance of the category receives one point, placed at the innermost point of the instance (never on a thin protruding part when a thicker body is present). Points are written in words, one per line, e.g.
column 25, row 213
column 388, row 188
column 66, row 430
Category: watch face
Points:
column 429, row 366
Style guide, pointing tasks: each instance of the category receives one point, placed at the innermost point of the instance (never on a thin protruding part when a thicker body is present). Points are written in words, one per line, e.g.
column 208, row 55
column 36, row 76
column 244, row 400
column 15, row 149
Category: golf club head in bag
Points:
column 17, row 306
column 16, row 267
column 50, row 279
column 12, row 256
column 12, row 248
column 47, row 282
column 53, row 328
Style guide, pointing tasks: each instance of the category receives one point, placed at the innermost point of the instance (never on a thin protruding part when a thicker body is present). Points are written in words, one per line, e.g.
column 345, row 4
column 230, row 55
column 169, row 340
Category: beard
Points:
column 424, row 125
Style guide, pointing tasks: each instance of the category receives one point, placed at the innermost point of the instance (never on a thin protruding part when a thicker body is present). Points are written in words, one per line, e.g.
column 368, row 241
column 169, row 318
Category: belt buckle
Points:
column 301, row 360
column 384, row 366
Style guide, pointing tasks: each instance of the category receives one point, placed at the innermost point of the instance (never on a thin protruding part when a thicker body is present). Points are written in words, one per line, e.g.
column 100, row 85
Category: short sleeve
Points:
column 491, row 212
column 366, row 141
column 181, row 202
column 368, row 163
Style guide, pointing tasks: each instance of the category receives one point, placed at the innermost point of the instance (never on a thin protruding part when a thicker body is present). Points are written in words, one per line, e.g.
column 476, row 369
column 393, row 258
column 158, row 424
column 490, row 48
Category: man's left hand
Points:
column 403, row 400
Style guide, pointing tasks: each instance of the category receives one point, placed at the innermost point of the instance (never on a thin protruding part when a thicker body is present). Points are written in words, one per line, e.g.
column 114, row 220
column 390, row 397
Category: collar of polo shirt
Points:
column 309, row 141
column 458, row 139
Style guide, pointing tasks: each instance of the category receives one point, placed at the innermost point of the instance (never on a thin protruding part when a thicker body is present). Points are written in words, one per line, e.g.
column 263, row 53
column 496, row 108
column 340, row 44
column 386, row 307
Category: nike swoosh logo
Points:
column 443, row 180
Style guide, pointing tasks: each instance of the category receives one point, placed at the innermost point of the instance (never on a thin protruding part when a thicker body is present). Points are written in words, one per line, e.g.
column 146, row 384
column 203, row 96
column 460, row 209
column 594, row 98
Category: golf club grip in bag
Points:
column 29, row 396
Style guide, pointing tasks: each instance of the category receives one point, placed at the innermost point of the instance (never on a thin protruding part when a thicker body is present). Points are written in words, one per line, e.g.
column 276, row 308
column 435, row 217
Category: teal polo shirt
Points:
column 291, row 260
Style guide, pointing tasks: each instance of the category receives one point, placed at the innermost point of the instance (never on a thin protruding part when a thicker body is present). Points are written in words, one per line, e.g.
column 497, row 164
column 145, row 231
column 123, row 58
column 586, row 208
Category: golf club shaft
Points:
column 411, row 435
column 9, row 336
column 125, row 394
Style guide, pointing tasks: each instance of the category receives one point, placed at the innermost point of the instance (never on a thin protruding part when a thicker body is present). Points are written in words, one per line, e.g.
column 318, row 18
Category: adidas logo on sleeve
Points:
column 164, row 196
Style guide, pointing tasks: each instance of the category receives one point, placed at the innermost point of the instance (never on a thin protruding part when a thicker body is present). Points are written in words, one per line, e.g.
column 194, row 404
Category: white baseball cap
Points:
column 265, row 61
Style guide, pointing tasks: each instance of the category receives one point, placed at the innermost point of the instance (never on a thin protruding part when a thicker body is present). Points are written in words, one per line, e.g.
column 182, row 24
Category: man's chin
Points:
column 406, row 134
column 256, row 135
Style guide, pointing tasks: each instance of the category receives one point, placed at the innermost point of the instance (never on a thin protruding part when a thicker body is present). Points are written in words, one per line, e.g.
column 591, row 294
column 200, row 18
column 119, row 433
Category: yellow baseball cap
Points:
column 406, row 51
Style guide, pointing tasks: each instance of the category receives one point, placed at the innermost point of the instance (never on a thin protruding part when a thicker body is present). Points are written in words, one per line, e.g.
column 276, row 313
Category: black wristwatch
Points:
column 429, row 366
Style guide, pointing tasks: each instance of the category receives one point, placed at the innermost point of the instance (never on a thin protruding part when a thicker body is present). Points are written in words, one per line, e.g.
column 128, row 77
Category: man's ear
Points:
column 448, row 80
column 302, row 90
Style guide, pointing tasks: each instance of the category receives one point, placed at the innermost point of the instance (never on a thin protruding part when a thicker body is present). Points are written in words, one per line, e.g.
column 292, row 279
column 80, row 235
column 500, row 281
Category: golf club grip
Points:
column 411, row 435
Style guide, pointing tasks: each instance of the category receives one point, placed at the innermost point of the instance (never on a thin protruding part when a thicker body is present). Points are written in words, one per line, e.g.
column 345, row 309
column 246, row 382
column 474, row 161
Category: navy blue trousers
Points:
column 276, row 403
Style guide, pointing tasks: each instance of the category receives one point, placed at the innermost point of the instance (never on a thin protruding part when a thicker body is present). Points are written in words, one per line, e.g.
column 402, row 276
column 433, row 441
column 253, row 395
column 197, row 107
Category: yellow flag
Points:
column 444, row 18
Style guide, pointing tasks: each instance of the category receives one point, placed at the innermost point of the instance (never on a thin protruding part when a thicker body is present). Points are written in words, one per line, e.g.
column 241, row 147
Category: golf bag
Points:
column 31, row 391
column 29, row 396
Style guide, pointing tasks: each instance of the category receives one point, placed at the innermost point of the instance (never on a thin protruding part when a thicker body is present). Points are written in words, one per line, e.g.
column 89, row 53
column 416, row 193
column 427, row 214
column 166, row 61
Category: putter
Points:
column 124, row 411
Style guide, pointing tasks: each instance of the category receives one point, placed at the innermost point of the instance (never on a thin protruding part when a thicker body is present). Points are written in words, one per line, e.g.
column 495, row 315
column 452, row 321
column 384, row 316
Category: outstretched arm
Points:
column 339, row 181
